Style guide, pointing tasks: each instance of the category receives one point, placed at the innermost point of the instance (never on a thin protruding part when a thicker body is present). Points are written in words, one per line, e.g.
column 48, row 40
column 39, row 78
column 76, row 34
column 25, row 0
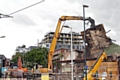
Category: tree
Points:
column 60, row 58
column 15, row 58
column 20, row 48
column 21, row 51
column 37, row 55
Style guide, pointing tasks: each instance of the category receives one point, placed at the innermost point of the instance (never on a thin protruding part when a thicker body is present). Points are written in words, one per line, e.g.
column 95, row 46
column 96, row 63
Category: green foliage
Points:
column 60, row 55
column 113, row 48
column 15, row 59
column 23, row 46
column 56, row 63
column 37, row 55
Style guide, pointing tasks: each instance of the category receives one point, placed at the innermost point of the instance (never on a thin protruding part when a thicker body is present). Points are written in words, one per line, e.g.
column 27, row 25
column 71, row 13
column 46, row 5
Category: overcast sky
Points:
column 31, row 24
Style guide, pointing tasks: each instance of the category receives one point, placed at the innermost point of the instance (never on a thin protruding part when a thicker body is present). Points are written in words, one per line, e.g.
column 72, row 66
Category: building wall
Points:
column 107, row 67
column 65, row 67
column 61, row 51
column 65, row 40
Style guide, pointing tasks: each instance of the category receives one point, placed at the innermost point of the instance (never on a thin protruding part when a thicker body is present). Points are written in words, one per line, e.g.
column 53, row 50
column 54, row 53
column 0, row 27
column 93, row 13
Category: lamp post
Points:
column 23, row 57
column 71, row 53
column 2, row 36
column 85, row 6
column 24, row 52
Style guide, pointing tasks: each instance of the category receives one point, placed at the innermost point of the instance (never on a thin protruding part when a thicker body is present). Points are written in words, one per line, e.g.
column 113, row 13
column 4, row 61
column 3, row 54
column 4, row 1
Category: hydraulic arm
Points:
column 95, row 66
column 53, row 44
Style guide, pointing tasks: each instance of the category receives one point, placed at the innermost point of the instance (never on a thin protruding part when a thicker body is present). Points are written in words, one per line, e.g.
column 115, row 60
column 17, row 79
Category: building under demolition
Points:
column 96, row 41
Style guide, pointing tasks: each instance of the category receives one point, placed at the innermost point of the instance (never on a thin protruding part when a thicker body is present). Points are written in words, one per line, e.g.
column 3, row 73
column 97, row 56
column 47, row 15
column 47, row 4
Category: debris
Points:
column 96, row 40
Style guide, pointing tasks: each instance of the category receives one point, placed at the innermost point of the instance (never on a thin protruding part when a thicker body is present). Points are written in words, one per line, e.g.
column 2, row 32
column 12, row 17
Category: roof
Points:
column 74, row 33
column 2, row 57
column 32, row 47
column 63, row 47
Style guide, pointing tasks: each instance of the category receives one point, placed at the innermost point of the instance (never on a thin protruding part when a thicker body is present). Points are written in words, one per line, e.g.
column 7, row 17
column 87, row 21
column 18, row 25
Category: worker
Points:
column 19, row 63
column 20, row 71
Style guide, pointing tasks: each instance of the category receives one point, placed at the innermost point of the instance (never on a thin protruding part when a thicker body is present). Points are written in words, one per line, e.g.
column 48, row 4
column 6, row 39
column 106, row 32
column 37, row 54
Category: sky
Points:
column 30, row 25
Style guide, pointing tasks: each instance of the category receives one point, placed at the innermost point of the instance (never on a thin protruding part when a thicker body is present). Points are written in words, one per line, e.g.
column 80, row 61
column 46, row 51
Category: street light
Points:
column 24, row 52
column 2, row 36
column 85, row 6
column 71, row 52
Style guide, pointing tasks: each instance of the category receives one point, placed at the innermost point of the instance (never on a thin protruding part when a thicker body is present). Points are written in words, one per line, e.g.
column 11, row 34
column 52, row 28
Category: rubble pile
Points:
column 96, row 40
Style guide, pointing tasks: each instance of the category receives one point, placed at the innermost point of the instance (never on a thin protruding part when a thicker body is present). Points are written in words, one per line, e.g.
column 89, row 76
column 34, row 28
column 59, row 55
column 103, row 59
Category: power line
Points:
column 4, row 15
column 26, row 7
column 3, row 11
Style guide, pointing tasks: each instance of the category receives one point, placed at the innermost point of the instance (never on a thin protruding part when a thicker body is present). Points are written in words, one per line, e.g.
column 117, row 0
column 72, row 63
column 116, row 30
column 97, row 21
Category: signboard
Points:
column 4, row 69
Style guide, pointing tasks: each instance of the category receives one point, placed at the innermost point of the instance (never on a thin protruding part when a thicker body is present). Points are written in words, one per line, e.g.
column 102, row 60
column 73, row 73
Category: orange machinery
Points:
column 20, row 65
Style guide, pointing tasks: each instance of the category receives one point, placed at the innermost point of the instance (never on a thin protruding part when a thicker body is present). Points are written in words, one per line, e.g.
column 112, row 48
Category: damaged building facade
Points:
column 96, row 41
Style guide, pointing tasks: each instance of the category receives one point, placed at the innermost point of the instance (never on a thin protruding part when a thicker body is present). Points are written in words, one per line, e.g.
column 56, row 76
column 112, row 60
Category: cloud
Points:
column 22, row 19
column 42, row 18
column 105, row 12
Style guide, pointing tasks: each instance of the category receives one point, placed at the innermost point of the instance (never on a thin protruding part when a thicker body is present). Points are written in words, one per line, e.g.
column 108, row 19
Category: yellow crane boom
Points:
column 53, row 44
column 95, row 66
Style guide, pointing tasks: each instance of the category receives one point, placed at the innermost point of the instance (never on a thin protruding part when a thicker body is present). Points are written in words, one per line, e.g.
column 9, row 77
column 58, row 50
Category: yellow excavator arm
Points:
column 95, row 66
column 53, row 44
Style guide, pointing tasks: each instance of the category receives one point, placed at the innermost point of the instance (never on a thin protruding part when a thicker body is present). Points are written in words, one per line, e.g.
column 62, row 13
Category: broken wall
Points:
column 96, row 40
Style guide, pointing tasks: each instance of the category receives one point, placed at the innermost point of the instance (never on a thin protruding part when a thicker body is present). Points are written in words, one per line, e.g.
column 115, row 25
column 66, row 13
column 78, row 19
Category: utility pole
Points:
column 5, row 16
column 38, row 42
column 85, row 6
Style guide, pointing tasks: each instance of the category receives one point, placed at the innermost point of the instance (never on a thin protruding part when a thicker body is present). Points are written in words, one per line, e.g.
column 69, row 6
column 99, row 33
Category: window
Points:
column 0, row 61
column 47, row 45
column 73, row 47
column 59, row 46
column 65, row 51
column 69, row 46
column 77, row 47
column 82, row 47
